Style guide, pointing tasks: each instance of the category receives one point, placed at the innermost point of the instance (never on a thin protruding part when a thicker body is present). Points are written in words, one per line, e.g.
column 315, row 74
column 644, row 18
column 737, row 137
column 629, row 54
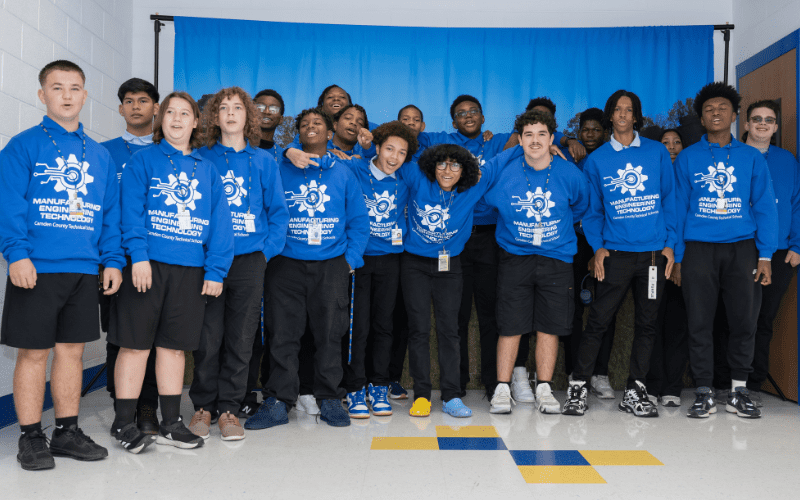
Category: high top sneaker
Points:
column 635, row 401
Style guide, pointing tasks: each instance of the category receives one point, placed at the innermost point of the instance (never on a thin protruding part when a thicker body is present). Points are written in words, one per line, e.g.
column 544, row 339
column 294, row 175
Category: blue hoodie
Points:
column 252, row 184
column 330, row 195
column 745, row 182
column 632, row 205
column 150, row 200
column 35, row 186
column 783, row 169
column 522, row 194
column 357, row 149
column 121, row 151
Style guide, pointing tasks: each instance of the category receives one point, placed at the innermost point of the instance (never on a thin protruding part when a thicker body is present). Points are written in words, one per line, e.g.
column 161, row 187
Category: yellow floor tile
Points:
column 631, row 457
column 470, row 431
column 404, row 443
column 560, row 474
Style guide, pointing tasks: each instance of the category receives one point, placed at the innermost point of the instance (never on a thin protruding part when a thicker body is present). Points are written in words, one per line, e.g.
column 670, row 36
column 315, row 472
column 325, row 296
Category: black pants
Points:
column 376, row 290
column 149, row 394
column 671, row 348
column 221, row 361
column 399, row 337
column 259, row 362
column 423, row 282
column 624, row 270
column 479, row 272
column 298, row 292
column 721, row 270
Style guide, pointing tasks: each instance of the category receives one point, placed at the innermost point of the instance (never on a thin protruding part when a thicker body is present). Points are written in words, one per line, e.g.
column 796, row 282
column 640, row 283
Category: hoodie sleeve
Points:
column 15, row 176
column 794, row 226
column 134, row 188
column 357, row 225
column 110, row 244
column 765, row 212
column 366, row 154
column 594, row 219
column 219, row 245
column 668, row 199
column 683, row 194
column 582, row 197
column 275, row 206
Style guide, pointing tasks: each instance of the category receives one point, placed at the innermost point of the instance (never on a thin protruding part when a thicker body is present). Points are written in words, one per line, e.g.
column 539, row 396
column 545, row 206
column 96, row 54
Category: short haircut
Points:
column 766, row 103
column 611, row 103
column 680, row 136
column 442, row 152
column 459, row 100
column 410, row 106
column 342, row 111
column 321, row 99
column 272, row 93
column 210, row 121
column 716, row 89
column 314, row 111
column 136, row 85
column 62, row 65
column 590, row 114
column 396, row 129
column 196, row 140
column 535, row 116
column 542, row 101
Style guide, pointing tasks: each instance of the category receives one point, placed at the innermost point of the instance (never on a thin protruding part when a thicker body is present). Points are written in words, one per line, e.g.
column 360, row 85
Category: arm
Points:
column 133, row 200
column 794, row 228
column 765, row 212
column 295, row 154
column 357, row 224
column 275, row 206
column 595, row 216
column 112, row 256
column 668, row 209
column 582, row 197
column 15, row 176
column 219, row 244
column 683, row 194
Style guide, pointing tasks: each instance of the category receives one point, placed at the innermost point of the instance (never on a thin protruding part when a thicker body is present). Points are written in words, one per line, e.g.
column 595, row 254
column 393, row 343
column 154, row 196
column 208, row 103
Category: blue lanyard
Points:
column 720, row 193
column 549, row 170
column 446, row 211
column 249, row 176
column 83, row 153
column 375, row 195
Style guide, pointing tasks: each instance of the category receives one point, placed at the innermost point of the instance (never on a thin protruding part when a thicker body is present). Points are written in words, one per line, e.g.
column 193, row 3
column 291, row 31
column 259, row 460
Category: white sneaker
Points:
column 308, row 404
column 501, row 400
column 601, row 387
column 545, row 401
column 671, row 401
column 521, row 387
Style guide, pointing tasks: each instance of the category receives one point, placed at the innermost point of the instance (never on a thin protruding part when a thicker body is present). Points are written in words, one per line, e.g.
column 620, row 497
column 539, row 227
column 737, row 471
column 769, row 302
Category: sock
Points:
column 540, row 382
column 126, row 413
column 30, row 428
column 738, row 383
column 503, row 382
column 62, row 424
column 170, row 408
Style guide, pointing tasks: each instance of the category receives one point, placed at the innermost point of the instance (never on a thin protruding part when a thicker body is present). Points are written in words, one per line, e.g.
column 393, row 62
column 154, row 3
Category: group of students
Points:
column 211, row 238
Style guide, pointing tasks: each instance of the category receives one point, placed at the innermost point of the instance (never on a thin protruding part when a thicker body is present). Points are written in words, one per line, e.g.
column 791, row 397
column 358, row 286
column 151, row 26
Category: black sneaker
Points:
column 636, row 401
column 704, row 404
column 576, row 403
column 739, row 403
column 34, row 454
column 73, row 443
column 178, row 435
column 333, row 413
column 132, row 439
column 248, row 410
column 147, row 420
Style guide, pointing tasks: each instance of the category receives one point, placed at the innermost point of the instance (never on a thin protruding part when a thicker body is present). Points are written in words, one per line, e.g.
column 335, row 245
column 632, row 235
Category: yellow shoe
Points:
column 420, row 408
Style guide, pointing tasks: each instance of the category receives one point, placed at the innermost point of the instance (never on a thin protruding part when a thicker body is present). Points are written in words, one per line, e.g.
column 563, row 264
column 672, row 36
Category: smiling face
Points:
column 179, row 122
column 622, row 119
column 673, row 143
column 335, row 100
column 349, row 124
column 232, row 115
column 412, row 118
column 468, row 119
column 757, row 126
column 63, row 95
column 718, row 115
column 391, row 154
column 270, row 118
column 313, row 130
column 592, row 135
column 448, row 173
column 535, row 140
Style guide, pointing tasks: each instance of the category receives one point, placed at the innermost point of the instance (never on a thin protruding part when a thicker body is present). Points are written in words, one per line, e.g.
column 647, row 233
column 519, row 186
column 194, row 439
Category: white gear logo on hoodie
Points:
column 629, row 181
column 311, row 198
column 71, row 176
column 718, row 179
column 433, row 216
column 232, row 186
column 381, row 207
column 178, row 190
column 537, row 203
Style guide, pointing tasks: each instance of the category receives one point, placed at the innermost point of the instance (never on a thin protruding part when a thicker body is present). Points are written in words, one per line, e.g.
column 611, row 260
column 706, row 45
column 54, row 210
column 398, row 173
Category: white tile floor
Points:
column 721, row 457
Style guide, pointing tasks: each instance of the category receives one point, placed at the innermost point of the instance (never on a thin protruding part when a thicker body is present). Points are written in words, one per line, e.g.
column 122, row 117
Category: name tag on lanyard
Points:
column 397, row 236
column 314, row 233
column 722, row 206
column 184, row 219
column 537, row 236
column 444, row 260
column 76, row 207
column 652, row 282
column 250, row 223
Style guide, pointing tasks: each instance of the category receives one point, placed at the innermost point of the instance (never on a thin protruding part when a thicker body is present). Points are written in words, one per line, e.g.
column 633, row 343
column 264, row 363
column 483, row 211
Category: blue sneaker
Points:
column 377, row 398
column 271, row 413
column 333, row 413
column 396, row 391
column 456, row 408
column 356, row 404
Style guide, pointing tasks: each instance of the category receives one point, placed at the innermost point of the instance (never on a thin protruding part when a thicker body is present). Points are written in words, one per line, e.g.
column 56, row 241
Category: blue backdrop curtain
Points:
column 384, row 68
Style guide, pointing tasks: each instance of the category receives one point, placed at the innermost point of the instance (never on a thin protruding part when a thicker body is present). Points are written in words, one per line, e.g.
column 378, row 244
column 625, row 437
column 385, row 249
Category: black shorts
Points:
column 534, row 294
column 168, row 315
column 60, row 309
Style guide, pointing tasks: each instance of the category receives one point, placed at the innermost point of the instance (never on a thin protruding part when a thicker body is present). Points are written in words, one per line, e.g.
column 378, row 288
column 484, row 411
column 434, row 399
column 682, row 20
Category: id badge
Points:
column 537, row 236
column 722, row 206
column 315, row 234
column 184, row 220
column 444, row 260
column 652, row 282
column 397, row 236
column 76, row 207
column 250, row 223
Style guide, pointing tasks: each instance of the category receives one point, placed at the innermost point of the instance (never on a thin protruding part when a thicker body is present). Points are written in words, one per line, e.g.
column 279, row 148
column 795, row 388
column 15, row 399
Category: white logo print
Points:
column 233, row 188
column 381, row 207
column 311, row 198
column 629, row 181
column 71, row 176
column 718, row 179
column 537, row 203
column 433, row 216
column 178, row 191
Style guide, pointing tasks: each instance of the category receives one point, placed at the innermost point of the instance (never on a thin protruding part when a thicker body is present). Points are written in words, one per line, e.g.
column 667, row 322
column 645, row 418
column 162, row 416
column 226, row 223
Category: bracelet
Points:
column 768, row 259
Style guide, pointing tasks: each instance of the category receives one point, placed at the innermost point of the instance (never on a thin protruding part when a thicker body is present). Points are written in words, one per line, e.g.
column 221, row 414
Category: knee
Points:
column 170, row 354
column 33, row 356
column 68, row 351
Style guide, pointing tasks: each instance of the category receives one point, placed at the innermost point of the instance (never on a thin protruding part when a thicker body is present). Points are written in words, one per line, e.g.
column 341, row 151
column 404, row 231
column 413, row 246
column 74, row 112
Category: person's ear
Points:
column 422, row 128
column 330, row 134
column 155, row 110
column 120, row 111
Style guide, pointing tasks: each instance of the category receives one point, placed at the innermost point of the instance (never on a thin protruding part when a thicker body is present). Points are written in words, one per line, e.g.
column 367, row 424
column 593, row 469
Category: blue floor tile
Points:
column 471, row 443
column 548, row 457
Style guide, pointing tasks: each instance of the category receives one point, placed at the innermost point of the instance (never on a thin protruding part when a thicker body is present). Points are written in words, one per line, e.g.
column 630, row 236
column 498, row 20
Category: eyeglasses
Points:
column 454, row 167
column 758, row 119
column 272, row 109
column 469, row 112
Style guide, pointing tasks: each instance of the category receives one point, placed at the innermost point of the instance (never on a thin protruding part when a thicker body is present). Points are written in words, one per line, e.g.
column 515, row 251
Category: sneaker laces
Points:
column 38, row 440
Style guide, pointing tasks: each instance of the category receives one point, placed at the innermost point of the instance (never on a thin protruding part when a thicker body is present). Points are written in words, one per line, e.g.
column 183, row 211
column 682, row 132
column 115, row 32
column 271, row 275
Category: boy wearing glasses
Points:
column 270, row 104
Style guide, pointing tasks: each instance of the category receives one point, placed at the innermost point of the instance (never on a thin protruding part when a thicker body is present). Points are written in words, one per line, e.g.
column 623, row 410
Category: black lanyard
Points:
column 249, row 176
column 546, row 183
column 83, row 154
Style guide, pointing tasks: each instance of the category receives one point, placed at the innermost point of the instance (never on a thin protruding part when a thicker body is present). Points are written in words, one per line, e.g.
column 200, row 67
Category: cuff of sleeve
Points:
column 139, row 256
column 353, row 261
column 114, row 264
column 794, row 249
column 17, row 255
column 214, row 276
column 764, row 255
